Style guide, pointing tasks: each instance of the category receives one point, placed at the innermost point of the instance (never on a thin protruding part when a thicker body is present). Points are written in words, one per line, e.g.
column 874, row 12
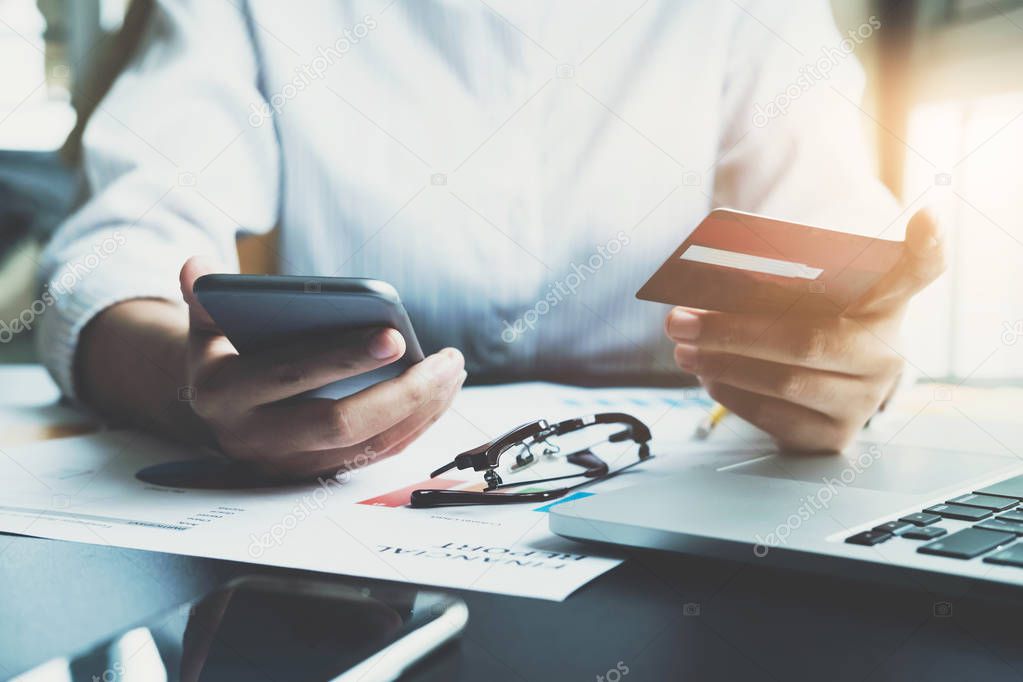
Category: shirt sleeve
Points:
column 792, row 144
column 178, row 158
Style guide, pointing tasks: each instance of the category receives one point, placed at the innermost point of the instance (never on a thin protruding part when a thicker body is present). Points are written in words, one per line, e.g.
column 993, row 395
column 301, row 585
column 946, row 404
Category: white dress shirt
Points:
column 516, row 169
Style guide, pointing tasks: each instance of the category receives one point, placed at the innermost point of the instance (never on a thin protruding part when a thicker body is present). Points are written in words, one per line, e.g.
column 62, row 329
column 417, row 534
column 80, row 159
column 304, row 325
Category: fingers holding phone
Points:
column 244, row 397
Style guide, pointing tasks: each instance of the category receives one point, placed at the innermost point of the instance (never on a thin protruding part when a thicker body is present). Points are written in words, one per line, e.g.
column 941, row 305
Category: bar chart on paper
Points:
column 94, row 489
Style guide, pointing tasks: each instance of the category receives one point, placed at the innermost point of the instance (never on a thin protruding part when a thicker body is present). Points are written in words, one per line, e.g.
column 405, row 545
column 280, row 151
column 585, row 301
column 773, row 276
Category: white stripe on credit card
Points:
column 744, row 261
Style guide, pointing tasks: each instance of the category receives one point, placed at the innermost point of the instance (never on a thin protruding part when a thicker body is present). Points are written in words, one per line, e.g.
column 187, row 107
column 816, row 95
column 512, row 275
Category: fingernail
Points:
column 685, row 356
column 384, row 344
column 683, row 325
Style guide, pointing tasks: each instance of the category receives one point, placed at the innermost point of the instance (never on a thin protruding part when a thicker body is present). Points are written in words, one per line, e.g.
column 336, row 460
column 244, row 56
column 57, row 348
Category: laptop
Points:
column 899, row 509
column 912, row 514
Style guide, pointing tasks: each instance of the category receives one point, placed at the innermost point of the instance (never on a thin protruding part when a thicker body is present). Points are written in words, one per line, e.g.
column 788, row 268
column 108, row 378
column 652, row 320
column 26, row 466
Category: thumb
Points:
column 194, row 268
column 922, row 262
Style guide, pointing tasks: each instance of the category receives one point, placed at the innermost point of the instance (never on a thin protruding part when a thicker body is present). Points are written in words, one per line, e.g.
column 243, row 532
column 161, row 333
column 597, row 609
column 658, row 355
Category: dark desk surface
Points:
column 753, row 622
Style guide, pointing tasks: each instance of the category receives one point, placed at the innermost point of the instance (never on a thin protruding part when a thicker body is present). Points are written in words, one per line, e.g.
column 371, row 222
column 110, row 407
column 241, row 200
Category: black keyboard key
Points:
column 1010, row 487
column 1012, row 516
column 999, row 524
column 869, row 537
column 984, row 501
column 967, row 543
column 957, row 511
column 921, row 519
column 1010, row 556
column 893, row 527
column 925, row 533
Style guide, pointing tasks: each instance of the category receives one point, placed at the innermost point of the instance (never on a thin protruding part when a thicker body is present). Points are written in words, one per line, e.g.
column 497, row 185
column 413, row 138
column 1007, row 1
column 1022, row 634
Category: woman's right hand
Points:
column 239, row 397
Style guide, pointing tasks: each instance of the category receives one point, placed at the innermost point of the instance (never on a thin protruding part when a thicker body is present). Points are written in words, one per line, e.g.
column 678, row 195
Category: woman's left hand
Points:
column 812, row 383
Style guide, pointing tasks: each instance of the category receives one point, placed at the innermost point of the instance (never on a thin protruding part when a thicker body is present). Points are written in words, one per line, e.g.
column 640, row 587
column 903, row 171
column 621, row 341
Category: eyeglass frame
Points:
column 486, row 458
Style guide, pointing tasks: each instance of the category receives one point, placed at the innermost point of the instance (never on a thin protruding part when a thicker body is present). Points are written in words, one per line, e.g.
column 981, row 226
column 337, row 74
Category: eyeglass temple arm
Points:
column 421, row 499
column 635, row 429
column 485, row 456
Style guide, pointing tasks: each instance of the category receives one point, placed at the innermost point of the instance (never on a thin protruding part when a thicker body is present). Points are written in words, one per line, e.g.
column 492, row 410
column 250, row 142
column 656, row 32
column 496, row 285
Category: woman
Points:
column 517, row 166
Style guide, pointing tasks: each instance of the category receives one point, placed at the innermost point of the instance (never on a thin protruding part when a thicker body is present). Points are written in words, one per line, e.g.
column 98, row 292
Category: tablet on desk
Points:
column 263, row 627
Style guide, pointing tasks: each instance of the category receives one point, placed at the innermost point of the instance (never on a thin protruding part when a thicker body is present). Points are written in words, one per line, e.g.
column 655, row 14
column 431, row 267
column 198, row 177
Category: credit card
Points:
column 738, row 262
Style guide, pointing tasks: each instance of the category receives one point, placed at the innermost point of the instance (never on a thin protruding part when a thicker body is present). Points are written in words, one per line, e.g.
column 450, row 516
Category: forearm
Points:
column 131, row 367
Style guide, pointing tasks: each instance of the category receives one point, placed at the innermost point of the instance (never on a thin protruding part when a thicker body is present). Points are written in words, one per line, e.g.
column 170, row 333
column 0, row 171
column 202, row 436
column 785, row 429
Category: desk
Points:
column 753, row 624
column 744, row 620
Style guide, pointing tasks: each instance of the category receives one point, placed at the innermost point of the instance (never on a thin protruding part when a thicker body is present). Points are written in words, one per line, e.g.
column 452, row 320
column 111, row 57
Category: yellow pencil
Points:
column 717, row 413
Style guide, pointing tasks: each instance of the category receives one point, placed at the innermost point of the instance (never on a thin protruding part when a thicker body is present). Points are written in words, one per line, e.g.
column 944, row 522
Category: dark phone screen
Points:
column 259, row 629
column 259, row 634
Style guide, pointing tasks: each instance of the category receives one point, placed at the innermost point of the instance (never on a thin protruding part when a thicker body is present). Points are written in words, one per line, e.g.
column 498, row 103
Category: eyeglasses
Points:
column 562, row 451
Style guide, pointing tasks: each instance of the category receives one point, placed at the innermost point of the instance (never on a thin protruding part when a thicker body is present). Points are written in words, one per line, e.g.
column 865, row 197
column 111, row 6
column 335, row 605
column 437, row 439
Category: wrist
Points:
column 131, row 366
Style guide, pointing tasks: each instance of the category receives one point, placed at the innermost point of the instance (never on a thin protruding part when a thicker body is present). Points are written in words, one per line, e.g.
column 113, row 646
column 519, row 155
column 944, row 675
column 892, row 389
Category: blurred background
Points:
column 944, row 111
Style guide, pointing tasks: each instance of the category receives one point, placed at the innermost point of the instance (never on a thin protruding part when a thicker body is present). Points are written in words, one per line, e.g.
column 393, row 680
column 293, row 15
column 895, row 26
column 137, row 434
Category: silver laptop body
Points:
column 798, row 510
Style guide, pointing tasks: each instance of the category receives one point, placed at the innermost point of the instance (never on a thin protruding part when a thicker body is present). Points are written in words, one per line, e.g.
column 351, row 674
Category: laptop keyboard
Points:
column 996, row 511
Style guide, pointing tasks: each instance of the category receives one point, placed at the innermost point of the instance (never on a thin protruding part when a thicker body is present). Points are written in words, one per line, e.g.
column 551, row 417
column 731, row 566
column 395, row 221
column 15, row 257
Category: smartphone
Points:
column 258, row 312
column 268, row 628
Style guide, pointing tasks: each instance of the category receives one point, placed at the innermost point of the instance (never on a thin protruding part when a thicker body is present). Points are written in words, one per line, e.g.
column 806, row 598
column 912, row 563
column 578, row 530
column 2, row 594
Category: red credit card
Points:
column 739, row 262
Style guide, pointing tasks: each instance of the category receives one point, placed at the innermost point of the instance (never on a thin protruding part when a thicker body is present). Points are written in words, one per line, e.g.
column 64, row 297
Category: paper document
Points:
column 85, row 489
